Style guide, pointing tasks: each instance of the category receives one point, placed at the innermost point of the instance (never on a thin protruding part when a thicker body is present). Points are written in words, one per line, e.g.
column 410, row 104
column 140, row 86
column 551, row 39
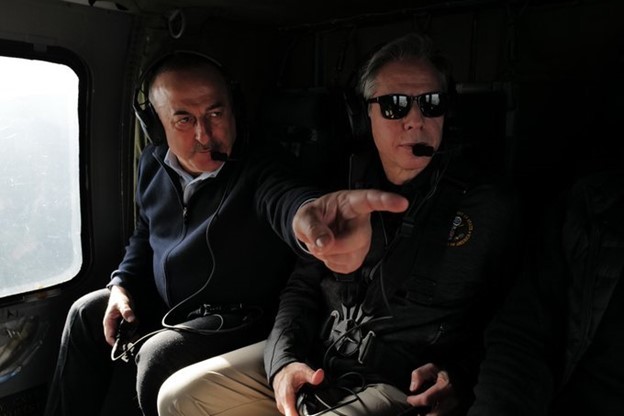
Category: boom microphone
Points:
column 219, row 156
column 421, row 149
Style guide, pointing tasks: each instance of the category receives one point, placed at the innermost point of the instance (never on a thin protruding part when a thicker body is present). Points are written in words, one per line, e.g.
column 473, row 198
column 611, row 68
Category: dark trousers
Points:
column 82, row 380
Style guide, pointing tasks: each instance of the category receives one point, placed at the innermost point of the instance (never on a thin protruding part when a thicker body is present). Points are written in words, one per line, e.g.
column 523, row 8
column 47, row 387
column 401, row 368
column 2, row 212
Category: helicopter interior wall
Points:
column 99, row 40
column 541, row 87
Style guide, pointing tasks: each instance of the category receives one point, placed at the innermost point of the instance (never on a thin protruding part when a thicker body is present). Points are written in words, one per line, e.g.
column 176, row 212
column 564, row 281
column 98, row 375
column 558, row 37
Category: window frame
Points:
column 63, row 56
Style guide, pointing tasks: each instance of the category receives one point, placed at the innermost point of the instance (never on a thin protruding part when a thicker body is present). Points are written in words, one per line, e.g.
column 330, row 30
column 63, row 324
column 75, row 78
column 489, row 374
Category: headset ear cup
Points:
column 239, row 109
column 452, row 128
column 238, row 100
column 357, row 114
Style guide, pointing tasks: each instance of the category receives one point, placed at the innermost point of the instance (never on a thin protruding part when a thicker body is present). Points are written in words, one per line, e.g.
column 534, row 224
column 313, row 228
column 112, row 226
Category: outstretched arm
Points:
column 336, row 228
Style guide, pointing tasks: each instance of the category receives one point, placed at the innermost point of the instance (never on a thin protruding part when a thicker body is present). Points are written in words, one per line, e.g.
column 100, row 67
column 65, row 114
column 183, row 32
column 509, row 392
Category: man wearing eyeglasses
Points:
column 404, row 330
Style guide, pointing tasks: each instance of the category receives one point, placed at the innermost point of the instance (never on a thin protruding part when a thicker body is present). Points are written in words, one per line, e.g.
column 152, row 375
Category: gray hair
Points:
column 410, row 46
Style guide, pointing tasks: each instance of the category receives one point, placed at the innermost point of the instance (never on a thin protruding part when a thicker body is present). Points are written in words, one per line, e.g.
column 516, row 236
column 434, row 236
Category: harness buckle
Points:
column 365, row 346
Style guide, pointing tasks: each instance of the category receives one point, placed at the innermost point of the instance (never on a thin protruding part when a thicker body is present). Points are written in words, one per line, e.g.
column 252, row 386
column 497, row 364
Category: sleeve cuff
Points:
column 302, row 245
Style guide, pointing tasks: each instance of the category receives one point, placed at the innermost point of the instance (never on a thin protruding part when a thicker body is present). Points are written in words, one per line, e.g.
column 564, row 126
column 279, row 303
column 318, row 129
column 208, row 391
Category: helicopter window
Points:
column 40, row 214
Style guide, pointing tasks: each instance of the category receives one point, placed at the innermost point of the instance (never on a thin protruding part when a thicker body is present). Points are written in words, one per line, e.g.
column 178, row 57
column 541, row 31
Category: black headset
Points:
column 357, row 108
column 144, row 110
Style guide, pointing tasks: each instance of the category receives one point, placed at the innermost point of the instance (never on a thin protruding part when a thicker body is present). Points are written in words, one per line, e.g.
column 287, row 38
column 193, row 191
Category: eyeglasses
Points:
column 396, row 106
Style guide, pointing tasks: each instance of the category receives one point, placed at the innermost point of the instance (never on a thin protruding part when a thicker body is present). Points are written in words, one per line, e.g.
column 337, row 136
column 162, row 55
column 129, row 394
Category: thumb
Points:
column 317, row 377
column 310, row 228
column 319, row 236
column 127, row 313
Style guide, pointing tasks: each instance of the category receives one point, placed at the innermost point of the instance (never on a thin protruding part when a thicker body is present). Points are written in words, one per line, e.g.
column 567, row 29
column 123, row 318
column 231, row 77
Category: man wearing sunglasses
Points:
column 404, row 330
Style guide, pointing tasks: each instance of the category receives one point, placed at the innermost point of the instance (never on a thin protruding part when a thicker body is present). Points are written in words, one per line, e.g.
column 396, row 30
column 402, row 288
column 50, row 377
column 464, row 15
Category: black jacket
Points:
column 535, row 344
column 226, row 246
column 419, row 298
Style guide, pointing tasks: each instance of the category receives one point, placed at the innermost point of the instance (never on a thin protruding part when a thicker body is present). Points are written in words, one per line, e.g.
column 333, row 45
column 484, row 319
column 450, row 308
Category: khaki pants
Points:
column 234, row 384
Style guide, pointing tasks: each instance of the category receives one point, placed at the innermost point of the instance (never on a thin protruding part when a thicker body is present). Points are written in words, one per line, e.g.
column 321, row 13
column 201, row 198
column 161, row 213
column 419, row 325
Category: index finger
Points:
column 364, row 201
column 440, row 390
column 289, row 405
column 110, row 323
column 425, row 374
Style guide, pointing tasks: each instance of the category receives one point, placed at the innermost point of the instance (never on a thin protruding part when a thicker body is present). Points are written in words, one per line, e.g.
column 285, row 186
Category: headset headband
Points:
column 143, row 109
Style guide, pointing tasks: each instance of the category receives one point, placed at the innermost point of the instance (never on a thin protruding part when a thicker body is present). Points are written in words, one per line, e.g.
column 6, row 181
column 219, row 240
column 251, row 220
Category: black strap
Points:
column 419, row 246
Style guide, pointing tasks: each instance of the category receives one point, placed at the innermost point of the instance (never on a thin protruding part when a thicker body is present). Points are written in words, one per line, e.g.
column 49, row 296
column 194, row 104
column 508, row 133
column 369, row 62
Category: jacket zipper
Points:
column 182, row 233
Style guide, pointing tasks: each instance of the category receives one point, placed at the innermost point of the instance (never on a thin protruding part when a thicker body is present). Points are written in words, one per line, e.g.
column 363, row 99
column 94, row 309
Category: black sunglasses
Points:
column 396, row 106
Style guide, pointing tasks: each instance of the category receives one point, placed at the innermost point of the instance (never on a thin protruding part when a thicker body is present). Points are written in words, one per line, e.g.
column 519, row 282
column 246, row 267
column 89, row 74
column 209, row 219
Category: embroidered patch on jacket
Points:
column 461, row 231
